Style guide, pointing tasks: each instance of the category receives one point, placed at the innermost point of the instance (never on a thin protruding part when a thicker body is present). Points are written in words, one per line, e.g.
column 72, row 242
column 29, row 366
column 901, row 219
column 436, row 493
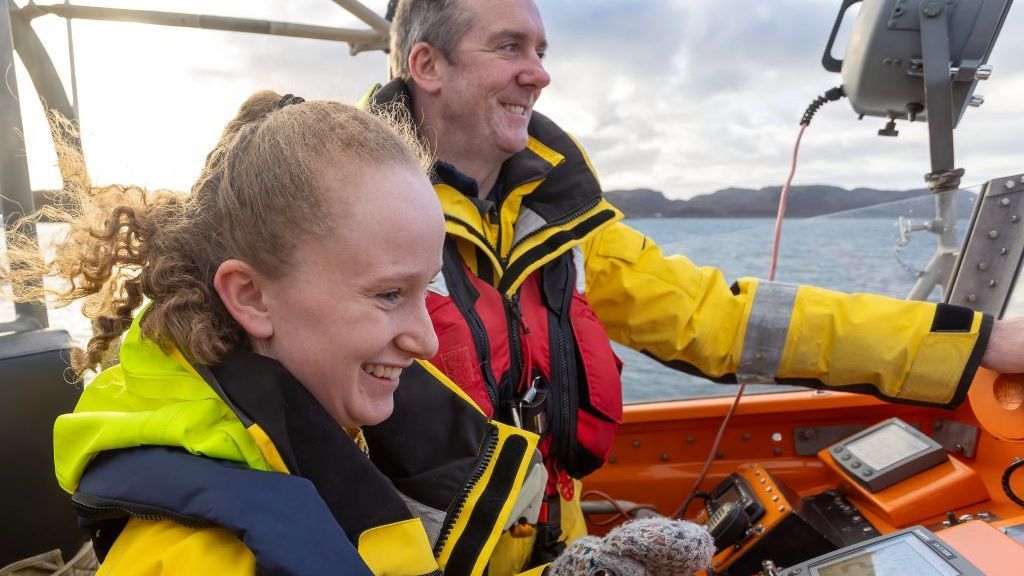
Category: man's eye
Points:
column 541, row 54
column 510, row 47
column 390, row 296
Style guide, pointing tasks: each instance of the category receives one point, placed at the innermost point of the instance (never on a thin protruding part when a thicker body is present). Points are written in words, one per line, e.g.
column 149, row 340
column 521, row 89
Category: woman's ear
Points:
column 239, row 286
column 426, row 66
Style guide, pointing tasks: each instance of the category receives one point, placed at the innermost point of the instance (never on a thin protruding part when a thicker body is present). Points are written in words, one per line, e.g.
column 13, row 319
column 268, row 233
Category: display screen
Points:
column 901, row 556
column 730, row 495
column 886, row 446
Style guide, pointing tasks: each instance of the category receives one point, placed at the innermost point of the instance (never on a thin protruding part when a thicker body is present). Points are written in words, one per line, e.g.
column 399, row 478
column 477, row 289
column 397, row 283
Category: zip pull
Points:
column 517, row 312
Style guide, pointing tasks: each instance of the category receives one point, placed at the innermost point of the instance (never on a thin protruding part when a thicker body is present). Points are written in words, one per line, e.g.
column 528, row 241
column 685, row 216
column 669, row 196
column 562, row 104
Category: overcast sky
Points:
column 684, row 96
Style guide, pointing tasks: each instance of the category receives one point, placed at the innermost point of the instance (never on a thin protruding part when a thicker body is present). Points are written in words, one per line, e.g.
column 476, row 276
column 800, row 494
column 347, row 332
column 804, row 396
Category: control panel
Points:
column 754, row 517
column 886, row 453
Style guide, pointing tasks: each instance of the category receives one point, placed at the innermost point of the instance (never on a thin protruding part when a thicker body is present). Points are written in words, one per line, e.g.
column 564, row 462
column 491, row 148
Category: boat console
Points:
column 759, row 523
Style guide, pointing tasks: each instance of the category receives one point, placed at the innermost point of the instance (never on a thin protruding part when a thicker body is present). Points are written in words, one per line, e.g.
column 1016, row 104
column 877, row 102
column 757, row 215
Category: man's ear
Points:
column 239, row 287
column 427, row 66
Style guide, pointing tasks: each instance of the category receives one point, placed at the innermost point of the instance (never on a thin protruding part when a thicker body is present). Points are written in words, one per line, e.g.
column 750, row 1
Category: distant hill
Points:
column 804, row 202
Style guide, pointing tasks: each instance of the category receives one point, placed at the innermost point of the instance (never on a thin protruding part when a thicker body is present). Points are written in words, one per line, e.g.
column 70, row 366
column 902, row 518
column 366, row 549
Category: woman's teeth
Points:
column 381, row 371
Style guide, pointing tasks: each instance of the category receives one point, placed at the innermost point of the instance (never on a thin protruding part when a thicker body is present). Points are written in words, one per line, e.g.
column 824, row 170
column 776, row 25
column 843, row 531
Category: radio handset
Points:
column 728, row 525
column 732, row 509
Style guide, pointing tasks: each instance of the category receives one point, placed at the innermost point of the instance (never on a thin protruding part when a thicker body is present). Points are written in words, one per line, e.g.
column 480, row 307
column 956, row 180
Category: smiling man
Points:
column 539, row 272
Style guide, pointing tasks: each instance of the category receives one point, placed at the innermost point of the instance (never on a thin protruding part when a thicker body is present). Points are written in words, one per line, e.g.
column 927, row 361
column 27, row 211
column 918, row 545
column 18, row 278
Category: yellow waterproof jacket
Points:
column 689, row 317
column 460, row 473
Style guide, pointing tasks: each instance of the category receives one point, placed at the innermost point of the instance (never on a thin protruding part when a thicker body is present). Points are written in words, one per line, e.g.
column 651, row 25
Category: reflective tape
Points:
column 765, row 336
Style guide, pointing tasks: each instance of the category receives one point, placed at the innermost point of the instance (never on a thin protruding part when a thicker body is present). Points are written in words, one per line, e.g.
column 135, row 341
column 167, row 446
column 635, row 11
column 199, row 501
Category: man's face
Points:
column 496, row 76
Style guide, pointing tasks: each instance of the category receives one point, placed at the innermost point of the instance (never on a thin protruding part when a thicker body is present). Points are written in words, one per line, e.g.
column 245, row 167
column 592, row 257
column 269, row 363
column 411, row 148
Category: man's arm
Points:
column 691, row 319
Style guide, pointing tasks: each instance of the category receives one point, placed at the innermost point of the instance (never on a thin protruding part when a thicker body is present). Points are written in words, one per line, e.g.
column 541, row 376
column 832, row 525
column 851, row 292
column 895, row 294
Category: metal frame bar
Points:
column 358, row 40
column 944, row 178
column 15, row 188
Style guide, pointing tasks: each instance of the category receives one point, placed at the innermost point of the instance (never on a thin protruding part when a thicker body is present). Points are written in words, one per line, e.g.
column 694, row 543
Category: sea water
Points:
column 851, row 252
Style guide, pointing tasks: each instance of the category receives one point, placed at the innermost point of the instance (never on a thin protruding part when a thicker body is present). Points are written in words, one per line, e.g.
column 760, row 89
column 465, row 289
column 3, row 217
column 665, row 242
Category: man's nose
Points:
column 534, row 75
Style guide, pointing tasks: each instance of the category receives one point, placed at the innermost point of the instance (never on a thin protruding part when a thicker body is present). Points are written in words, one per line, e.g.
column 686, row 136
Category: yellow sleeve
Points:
column 157, row 547
column 762, row 332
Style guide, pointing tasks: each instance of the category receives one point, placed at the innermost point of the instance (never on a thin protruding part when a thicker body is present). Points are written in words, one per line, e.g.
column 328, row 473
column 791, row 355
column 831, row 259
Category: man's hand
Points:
column 1005, row 351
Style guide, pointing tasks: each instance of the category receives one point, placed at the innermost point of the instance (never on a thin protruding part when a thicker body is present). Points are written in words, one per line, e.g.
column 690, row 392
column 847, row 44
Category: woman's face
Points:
column 350, row 312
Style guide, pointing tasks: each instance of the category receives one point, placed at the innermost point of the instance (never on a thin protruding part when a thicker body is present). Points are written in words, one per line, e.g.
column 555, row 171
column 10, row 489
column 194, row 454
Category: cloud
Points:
column 684, row 96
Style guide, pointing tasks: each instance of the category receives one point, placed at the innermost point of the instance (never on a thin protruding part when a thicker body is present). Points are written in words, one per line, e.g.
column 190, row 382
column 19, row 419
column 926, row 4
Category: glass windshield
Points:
column 852, row 251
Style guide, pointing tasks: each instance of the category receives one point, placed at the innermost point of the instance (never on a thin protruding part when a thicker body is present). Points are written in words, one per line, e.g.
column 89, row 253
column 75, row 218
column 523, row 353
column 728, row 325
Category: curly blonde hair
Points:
column 260, row 192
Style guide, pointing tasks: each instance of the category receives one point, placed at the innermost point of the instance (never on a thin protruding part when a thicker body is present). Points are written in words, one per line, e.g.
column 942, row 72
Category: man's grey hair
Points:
column 440, row 23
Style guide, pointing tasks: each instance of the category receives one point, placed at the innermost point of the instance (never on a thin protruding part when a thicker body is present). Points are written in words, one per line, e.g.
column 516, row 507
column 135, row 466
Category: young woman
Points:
column 263, row 320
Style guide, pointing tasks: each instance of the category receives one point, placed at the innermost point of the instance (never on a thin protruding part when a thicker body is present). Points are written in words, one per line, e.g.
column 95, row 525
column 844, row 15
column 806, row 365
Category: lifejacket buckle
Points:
column 532, row 408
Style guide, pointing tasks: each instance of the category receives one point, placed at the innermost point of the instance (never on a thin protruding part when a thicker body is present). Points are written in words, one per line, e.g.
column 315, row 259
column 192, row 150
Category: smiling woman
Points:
column 263, row 320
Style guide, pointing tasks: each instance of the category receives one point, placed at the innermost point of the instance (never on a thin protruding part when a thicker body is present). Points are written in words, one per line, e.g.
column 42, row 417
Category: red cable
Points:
column 782, row 205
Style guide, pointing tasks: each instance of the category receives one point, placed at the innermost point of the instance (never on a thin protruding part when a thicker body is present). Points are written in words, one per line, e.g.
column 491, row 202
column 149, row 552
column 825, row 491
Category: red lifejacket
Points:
column 546, row 327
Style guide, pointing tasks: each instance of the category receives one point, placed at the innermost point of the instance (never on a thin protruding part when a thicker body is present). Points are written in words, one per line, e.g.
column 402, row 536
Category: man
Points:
column 539, row 273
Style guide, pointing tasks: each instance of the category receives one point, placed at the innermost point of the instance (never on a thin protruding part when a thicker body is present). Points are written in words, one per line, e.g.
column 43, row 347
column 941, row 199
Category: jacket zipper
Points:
column 517, row 364
column 91, row 510
column 459, row 502
column 563, row 371
column 484, row 355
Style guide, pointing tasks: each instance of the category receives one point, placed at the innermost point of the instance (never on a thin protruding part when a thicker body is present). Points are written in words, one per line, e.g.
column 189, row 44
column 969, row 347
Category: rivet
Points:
column 613, row 459
column 809, row 433
column 776, row 437
column 972, row 298
column 1014, row 217
column 782, row 508
column 992, row 283
column 982, row 266
column 719, row 454
column 664, row 457
column 993, row 234
column 768, row 489
column 1003, row 251
column 1004, row 202
column 1009, row 184
column 636, row 443
column 777, row 451
column 690, row 439
column 775, row 498
column 746, row 436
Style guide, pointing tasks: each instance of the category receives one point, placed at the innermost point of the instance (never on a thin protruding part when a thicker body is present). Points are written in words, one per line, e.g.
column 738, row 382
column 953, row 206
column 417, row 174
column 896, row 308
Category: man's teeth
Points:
column 381, row 371
column 515, row 109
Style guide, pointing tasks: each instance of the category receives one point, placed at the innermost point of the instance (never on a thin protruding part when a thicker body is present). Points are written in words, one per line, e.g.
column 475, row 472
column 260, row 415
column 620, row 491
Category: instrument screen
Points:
column 894, row 557
column 886, row 446
column 731, row 495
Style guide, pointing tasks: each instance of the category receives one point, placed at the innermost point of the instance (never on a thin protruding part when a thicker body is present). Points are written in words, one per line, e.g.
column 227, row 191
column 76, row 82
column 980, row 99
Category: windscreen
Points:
column 886, row 446
column 901, row 556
